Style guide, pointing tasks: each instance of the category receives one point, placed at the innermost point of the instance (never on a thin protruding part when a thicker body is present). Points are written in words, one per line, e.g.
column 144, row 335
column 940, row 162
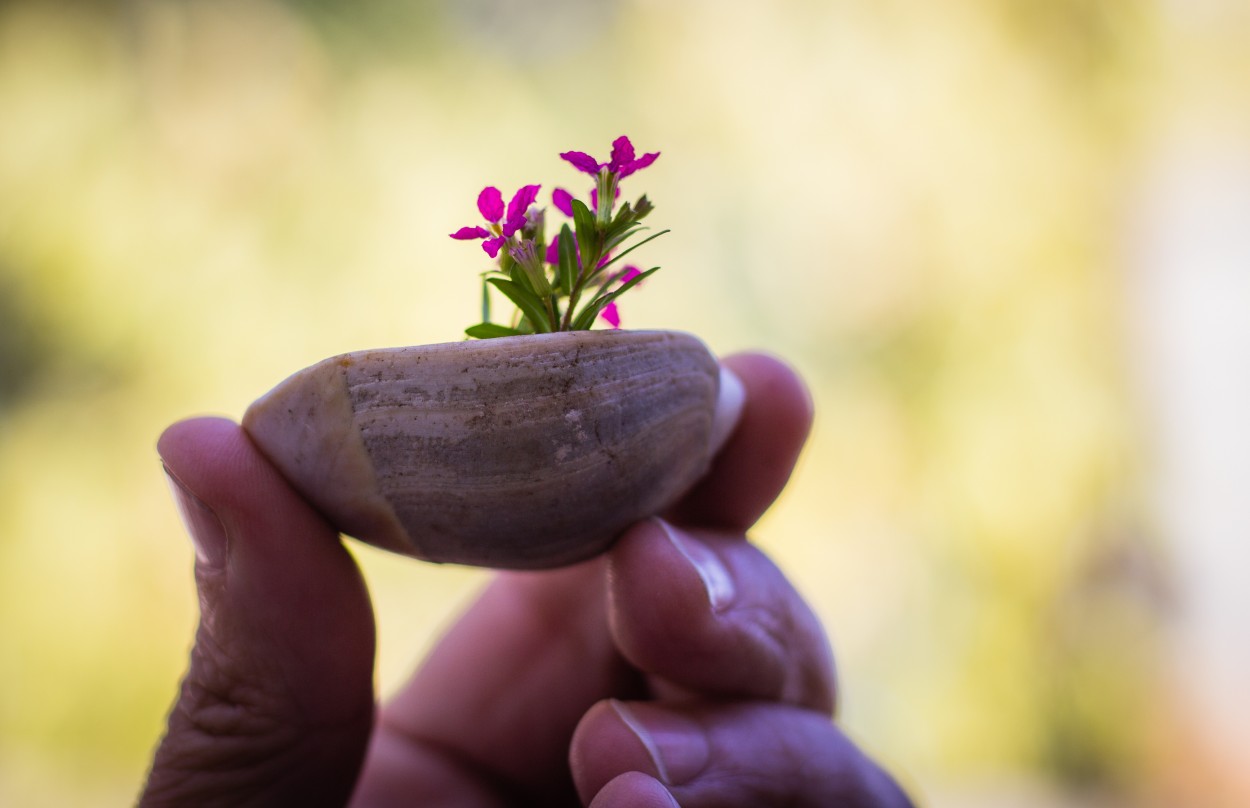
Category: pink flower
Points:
column 611, row 315
column 563, row 200
column 622, row 164
column 502, row 224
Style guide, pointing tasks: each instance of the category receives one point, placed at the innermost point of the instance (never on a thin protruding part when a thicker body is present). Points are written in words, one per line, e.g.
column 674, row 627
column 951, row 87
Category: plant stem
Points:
column 551, row 312
column 574, row 294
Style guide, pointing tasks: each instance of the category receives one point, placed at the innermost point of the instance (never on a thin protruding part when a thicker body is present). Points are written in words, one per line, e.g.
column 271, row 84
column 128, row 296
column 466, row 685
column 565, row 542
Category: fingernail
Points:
column 729, row 402
column 716, row 579
column 676, row 745
column 207, row 532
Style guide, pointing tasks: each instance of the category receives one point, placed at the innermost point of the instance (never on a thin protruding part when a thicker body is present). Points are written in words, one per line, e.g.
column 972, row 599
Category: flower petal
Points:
column 563, row 200
column 490, row 204
column 582, row 162
column 466, row 233
column 622, row 154
column 492, row 245
column 629, row 273
column 611, row 315
column 639, row 164
column 521, row 201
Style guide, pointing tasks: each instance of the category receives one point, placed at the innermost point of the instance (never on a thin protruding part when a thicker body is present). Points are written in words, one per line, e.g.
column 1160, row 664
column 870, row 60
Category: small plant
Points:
column 567, row 283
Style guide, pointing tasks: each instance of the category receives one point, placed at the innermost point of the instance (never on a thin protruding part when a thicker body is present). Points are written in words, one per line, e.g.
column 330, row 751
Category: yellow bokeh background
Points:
column 927, row 208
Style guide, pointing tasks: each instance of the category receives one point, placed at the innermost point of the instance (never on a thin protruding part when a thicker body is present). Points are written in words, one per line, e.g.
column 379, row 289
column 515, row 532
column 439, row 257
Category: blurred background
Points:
column 1007, row 243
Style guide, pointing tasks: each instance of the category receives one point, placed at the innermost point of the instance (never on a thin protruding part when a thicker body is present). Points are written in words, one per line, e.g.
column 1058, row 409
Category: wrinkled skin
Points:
column 679, row 669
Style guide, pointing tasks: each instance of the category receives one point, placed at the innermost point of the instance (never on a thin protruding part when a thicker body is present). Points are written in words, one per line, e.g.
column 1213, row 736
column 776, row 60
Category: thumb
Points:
column 276, row 707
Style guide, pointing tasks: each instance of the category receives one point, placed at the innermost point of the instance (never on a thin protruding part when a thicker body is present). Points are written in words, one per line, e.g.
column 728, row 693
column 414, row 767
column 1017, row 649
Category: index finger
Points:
column 755, row 464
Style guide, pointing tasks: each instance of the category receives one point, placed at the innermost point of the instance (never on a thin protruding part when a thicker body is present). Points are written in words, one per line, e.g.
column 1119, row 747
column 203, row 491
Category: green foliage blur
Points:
column 915, row 203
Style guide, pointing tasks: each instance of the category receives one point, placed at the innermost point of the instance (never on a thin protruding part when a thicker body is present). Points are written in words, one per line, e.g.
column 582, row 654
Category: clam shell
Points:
column 520, row 452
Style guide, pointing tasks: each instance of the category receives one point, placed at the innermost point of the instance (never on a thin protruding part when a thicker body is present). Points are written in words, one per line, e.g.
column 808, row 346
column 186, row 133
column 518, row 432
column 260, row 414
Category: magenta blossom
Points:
column 608, row 175
column 611, row 316
column 563, row 200
column 569, row 279
column 502, row 224
column 622, row 164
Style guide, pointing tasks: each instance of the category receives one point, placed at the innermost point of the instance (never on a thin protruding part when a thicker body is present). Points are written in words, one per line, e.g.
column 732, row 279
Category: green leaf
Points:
column 485, row 302
column 619, row 256
column 620, row 225
column 587, row 316
column 532, row 281
column 587, row 231
column 491, row 330
column 623, row 217
column 519, row 277
column 526, row 301
column 568, row 260
column 614, row 240
column 537, row 276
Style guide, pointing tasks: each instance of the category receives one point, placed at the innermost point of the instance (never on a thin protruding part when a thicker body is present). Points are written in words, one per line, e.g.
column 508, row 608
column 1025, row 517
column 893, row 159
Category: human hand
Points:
column 680, row 665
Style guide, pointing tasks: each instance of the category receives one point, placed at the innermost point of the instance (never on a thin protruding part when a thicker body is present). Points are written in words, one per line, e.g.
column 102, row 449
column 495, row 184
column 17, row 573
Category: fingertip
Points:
column 604, row 746
column 209, row 456
column 182, row 439
column 657, row 554
column 216, row 461
column 760, row 452
column 271, row 529
column 732, row 753
column 771, row 380
column 634, row 790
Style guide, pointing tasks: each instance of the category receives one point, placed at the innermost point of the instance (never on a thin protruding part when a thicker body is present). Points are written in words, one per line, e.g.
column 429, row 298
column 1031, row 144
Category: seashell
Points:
column 519, row 452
